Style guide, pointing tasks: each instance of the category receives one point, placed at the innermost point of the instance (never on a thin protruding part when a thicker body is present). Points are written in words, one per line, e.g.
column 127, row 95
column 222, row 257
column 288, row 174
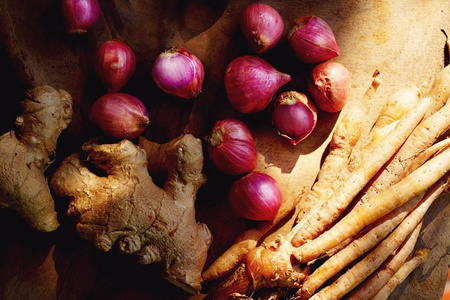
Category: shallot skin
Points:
column 179, row 73
column 231, row 147
column 256, row 196
column 294, row 116
column 312, row 40
column 120, row 115
column 262, row 26
column 80, row 15
column 115, row 64
column 329, row 86
column 251, row 83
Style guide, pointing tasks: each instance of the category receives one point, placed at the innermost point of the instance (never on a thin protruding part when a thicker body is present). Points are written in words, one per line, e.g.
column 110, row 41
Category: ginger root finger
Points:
column 117, row 203
column 46, row 112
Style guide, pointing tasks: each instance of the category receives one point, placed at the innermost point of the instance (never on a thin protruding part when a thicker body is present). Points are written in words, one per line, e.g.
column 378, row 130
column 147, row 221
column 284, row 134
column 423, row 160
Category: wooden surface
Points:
column 402, row 39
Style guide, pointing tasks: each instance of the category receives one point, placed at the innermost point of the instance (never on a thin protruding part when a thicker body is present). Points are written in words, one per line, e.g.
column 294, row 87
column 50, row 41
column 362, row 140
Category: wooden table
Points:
column 402, row 39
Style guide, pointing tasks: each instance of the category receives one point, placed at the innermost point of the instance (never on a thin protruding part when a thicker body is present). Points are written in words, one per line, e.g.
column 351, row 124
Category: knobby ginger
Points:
column 46, row 112
column 115, row 202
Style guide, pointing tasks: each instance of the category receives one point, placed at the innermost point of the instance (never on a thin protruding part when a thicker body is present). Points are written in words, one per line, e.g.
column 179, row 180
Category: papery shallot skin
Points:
column 262, row 26
column 256, row 196
column 312, row 40
column 80, row 15
column 115, row 64
column 179, row 73
column 251, row 83
column 294, row 116
column 231, row 147
column 120, row 115
column 329, row 86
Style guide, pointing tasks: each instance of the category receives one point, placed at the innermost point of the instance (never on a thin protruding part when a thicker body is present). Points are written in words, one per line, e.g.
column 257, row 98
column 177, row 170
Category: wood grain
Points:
column 402, row 39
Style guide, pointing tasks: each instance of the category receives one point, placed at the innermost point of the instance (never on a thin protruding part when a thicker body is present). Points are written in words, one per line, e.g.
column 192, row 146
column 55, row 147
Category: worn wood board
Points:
column 402, row 39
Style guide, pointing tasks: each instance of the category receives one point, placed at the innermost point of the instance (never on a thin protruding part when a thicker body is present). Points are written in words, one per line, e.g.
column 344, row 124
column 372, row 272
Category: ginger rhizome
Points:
column 114, row 201
column 46, row 112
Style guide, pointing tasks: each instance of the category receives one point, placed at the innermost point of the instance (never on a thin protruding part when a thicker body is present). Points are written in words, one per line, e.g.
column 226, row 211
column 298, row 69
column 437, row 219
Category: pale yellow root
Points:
column 345, row 137
column 351, row 249
column 368, row 264
column 376, row 207
column 421, row 157
column 373, row 260
column 332, row 208
column 375, row 233
column 379, row 278
column 245, row 242
column 415, row 162
column 372, row 107
column 404, row 271
column 426, row 133
column 398, row 105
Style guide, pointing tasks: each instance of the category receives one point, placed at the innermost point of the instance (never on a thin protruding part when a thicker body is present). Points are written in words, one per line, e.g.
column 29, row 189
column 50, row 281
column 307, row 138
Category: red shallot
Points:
column 120, row 115
column 294, row 116
column 231, row 147
column 251, row 83
column 179, row 73
column 329, row 86
column 262, row 26
column 115, row 64
column 313, row 40
column 256, row 196
column 80, row 15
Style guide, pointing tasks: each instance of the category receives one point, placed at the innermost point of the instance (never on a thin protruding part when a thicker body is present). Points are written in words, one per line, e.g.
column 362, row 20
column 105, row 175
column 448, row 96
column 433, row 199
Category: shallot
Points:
column 262, row 26
column 80, row 15
column 256, row 196
column 294, row 116
column 231, row 147
column 120, row 115
column 313, row 40
column 179, row 73
column 329, row 86
column 251, row 83
column 115, row 64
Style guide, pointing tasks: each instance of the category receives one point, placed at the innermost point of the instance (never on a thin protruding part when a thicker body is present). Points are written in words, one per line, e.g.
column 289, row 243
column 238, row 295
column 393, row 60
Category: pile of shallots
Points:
column 251, row 83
